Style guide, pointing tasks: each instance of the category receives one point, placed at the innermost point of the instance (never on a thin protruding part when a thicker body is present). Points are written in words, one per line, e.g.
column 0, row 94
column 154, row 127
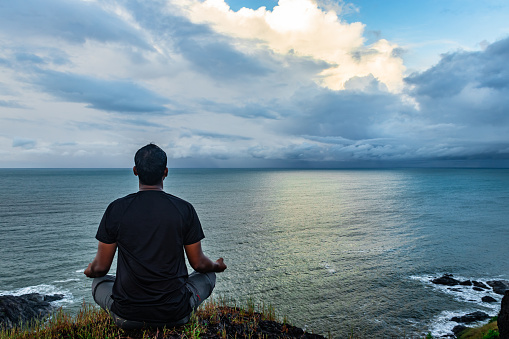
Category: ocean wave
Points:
column 464, row 293
column 328, row 267
column 67, row 280
column 44, row 289
column 441, row 324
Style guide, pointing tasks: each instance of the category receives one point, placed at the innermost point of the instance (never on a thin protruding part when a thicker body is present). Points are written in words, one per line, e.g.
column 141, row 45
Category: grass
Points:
column 214, row 319
column 488, row 331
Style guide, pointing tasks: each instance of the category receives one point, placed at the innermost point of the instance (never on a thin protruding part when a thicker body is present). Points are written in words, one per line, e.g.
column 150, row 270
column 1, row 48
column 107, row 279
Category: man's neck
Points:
column 143, row 187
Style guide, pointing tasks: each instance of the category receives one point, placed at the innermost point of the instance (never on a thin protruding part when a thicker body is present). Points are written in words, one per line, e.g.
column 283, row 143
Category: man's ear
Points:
column 135, row 171
column 165, row 173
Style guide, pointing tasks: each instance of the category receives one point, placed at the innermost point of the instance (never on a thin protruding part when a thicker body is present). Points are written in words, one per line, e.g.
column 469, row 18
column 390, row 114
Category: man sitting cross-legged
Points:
column 152, row 230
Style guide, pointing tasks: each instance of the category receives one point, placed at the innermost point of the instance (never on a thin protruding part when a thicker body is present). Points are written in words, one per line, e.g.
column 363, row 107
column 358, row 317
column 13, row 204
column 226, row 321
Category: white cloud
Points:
column 302, row 28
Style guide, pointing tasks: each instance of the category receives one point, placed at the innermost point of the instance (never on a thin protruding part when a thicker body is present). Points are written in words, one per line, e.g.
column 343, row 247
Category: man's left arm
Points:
column 102, row 261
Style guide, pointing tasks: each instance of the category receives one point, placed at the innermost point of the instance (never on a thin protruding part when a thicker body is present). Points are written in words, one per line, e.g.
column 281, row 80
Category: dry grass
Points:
column 214, row 319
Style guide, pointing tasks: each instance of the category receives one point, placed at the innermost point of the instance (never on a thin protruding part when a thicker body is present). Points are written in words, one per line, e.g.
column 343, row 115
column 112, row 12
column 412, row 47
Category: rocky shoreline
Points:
column 19, row 310
column 500, row 287
column 210, row 322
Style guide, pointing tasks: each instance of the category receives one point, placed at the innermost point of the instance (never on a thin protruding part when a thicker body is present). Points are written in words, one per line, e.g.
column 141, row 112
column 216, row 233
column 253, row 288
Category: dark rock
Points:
column 478, row 289
column 471, row 317
column 466, row 283
column 446, row 279
column 458, row 329
column 480, row 285
column 503, row 318
column 15, row 310
column 488, row 299
column 54, row 297
column 272, row 329
column 499, row 286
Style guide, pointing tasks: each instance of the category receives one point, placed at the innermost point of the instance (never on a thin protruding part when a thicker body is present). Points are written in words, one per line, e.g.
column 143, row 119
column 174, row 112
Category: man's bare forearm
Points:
column 93, row 271
column 207, row 265
column 102, row 261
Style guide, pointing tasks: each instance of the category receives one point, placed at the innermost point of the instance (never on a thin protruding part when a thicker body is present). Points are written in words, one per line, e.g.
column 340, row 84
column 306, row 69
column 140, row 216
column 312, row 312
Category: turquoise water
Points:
column 334, row 250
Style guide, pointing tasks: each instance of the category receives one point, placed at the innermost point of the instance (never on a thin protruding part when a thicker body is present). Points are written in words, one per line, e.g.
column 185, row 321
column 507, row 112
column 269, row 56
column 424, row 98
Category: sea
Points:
column 336, row 252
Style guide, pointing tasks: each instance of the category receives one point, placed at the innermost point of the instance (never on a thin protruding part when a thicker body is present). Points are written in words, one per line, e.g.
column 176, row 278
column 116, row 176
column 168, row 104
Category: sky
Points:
column 230, row 83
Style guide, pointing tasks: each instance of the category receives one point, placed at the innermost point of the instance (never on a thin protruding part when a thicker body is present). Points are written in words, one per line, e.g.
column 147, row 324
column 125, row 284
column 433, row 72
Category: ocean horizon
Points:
column 334, row 250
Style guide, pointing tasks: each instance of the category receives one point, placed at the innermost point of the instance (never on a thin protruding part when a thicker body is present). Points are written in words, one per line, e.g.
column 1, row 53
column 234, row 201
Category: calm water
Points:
column 334, row 250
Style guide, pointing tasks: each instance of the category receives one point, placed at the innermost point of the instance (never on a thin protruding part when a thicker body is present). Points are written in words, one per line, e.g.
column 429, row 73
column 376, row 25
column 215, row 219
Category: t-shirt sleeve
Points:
column 107, row 231
column 194, row 231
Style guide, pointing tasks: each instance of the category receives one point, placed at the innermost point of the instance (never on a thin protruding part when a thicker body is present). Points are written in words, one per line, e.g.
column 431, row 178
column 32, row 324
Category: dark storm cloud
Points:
column 108, row 95
column 347, row 114
column 456, row 71
column 466, row 88
column 458, row 111
column 73, row 21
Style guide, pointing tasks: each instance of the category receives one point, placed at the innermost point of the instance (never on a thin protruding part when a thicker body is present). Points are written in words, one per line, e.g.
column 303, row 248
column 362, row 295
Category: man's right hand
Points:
column 219, row 265
column 200, row 262
column 102, row 261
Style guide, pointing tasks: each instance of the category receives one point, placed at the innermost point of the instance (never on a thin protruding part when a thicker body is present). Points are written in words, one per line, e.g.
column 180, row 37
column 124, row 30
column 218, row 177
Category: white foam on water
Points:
column 442, row 325
column 44, row 289
column 329, row 269
column 464, row 293
column 67, row 280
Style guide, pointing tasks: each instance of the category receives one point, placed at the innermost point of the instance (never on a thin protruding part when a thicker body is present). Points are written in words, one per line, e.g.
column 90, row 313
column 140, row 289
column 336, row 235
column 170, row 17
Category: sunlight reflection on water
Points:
column 334, row 250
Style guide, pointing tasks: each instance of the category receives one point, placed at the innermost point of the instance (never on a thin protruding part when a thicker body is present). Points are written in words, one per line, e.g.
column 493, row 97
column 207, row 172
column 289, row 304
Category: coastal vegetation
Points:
column 488, row 331
column 214, row 319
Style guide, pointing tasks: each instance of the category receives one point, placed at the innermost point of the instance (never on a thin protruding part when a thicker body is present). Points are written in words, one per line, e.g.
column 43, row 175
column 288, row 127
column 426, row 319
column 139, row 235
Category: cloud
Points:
column 301, row 27
column 364, row 122
column 208, row 52
column 213, row 135
column 219, row 59
column 293, row 86
column 469, row 89
column 109, row 95
column 71, row 21
column 11, row 103
column 24, row 143
column 250, row 110
column 29, row 57
column 349, row 114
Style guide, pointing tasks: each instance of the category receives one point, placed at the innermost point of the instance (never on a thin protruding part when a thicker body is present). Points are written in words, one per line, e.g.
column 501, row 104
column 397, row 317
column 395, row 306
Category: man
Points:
column 152, row 230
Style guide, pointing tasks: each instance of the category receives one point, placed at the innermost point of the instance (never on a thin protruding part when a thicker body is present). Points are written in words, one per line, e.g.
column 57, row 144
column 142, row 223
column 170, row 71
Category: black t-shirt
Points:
column 150, row 229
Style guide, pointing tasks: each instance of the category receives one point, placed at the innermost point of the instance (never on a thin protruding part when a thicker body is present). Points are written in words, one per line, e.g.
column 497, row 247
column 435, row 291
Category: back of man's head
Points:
column 150, row 162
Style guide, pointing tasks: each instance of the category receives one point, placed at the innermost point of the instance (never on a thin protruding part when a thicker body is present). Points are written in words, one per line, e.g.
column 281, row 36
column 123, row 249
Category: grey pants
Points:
column 200, row 284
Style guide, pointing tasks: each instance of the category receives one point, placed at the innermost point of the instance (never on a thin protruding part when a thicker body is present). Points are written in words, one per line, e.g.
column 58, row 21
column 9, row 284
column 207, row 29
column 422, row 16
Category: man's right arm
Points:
column 102, row 261
column 200, row 262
